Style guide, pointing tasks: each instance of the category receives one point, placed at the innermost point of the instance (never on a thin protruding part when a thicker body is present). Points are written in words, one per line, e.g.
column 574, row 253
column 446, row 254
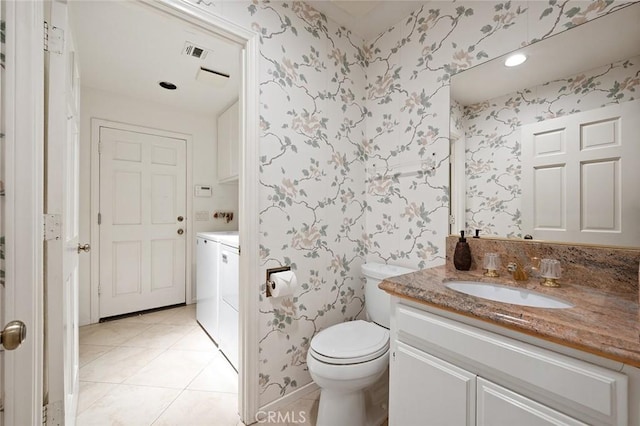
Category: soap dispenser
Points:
column 462, row 254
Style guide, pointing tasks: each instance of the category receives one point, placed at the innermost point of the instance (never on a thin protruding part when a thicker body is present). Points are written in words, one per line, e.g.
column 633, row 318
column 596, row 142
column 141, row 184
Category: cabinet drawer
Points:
column 599, row 393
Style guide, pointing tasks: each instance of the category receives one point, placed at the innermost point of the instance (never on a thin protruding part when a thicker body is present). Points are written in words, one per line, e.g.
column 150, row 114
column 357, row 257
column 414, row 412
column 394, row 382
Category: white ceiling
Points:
column 128, row 48
column 605, row 40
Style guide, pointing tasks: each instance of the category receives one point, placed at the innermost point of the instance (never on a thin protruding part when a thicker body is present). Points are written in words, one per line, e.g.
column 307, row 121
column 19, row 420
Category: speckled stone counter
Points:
column 605, row 320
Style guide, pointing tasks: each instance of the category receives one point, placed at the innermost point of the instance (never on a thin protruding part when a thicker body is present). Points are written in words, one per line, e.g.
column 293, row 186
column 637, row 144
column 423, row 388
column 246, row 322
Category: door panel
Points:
column 436, row 391
column 579, row 178
column 500, row 406
column 142, row 193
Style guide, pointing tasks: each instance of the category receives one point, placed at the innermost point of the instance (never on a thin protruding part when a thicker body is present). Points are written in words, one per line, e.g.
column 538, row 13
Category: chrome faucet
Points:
column 516, row 270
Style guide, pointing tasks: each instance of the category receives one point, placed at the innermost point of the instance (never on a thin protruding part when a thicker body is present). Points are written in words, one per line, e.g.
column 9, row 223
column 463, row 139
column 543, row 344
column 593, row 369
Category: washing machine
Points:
column 208, row 271
column 229, row 262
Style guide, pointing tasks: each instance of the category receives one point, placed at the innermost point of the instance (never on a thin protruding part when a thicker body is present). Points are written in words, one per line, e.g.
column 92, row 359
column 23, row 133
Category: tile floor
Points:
column 162, row 369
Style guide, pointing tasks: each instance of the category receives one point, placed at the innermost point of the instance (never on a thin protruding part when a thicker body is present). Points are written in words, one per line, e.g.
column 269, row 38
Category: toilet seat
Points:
column 350, row 342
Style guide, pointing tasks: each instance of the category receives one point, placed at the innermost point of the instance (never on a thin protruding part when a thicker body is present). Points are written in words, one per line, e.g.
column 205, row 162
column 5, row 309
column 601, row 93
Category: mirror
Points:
column 582, row 69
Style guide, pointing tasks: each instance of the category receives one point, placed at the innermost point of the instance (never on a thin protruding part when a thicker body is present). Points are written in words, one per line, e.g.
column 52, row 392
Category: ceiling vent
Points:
column 191, row 49
column 212, row 77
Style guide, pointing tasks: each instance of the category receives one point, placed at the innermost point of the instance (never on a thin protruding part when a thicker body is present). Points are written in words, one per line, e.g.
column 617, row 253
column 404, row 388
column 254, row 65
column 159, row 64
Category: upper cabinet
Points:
column 229, row 144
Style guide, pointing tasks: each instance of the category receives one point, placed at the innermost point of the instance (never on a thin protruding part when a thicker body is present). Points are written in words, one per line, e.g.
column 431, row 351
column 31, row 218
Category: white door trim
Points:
column 96, row 124
column 24, row 91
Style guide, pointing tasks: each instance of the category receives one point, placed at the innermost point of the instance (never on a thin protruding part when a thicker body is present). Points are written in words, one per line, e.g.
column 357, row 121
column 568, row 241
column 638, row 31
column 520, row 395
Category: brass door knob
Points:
column 180, row 231
column 85, row 248
column 13, row 335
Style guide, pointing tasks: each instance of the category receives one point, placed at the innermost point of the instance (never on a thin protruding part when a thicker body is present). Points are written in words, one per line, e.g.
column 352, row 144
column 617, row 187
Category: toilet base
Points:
column 341, row 409
column 368, row 407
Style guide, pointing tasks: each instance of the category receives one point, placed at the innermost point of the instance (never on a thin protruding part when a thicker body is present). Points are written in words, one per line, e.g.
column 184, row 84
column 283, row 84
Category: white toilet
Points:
column 347, row 358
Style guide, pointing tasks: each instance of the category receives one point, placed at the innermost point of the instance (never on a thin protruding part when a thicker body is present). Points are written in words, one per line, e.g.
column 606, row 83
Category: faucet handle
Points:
column 518, row 273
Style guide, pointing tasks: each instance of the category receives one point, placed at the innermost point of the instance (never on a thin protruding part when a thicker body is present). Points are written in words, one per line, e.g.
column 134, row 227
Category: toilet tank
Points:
column 377, row 301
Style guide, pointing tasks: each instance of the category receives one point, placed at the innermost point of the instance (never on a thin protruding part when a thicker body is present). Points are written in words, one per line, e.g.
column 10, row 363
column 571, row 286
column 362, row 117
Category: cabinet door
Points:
column 224, row 135
column 425, row 390
column 500, row 406
column 234, row 140
column 229, row 143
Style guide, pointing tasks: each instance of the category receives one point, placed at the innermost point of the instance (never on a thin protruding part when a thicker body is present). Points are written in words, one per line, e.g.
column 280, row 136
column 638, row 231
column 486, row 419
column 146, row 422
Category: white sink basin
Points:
column 504, row 294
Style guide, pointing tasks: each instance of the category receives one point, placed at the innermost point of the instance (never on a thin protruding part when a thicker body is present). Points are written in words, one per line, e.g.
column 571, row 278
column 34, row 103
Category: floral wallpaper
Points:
column 493, row 139
column 354, row 149
column 312, row 160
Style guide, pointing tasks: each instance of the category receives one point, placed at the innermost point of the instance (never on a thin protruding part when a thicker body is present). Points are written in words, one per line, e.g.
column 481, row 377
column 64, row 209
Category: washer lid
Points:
column 351, row 339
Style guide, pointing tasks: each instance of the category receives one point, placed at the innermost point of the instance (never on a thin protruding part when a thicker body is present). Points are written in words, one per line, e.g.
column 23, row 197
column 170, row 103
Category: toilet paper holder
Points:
column 269, row 282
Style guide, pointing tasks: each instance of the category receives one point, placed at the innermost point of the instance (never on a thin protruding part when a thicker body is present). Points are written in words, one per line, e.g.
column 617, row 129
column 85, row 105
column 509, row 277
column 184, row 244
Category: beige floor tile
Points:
column 123, row 406
column 315, row 395
column 196, row 340
column 196, row 408
column 91, row 392
column 174, row 369
column 159, row 336
column 118, row 364
column 181, row 316
column 218, row 376
column 303, row 412
column 90, row 352
column 110, row 333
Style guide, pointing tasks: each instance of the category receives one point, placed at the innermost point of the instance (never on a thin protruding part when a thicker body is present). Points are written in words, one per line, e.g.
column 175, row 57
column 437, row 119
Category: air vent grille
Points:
column 193, row 50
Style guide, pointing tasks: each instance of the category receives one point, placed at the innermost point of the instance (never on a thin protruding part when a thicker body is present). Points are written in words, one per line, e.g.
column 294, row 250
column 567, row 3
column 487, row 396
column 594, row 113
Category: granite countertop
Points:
column 603, row 323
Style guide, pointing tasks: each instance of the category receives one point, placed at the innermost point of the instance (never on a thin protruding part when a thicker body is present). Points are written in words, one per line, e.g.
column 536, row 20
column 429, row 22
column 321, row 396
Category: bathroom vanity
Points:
column 457, row 359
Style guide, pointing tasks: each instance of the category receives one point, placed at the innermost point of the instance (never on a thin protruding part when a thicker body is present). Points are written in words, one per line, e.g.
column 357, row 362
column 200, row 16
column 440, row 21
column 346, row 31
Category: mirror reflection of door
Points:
column 579, row 182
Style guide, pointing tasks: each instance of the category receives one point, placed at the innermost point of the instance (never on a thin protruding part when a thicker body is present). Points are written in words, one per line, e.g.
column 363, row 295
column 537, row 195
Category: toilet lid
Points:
column 350, row 342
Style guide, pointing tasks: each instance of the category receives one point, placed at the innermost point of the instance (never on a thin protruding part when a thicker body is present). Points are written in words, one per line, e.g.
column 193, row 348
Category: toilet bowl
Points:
column 347, row 358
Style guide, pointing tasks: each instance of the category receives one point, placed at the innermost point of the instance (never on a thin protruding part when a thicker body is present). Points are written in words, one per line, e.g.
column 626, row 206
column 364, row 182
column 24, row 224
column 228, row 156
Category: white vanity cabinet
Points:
column 447, row 372
column 424, row 389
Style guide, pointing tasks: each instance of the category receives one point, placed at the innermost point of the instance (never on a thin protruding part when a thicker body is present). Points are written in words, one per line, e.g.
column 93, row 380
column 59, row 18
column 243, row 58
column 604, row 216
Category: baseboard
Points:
column 287, row 400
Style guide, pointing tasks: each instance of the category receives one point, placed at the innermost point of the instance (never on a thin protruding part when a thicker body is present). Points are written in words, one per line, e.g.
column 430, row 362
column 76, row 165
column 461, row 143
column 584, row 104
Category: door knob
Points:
column 13, row 335
column 180, row 231
column 85, row 248
column 180, row 218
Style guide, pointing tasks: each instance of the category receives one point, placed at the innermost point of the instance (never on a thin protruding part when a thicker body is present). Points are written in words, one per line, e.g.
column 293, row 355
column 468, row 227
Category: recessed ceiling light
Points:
column 167, row 85
column 515, row 59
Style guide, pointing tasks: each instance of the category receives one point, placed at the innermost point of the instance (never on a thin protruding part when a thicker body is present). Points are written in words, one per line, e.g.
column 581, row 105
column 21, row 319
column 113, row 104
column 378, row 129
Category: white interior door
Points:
column 62, row 221
column 580, row 175
column 143, row 221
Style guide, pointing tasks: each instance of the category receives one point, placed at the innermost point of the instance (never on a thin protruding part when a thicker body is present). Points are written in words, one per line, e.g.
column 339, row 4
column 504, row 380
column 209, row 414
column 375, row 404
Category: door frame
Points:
column 24, row 189
column 96, row 124
column 248, row 215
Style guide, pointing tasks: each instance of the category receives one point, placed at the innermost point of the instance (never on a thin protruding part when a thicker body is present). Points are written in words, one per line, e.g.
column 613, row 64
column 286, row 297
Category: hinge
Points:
column 239, row 250
column 52, row 227
column 53, row 39
column 452, row 219
column 46, row 36
column 99, row 218
column 99, row 289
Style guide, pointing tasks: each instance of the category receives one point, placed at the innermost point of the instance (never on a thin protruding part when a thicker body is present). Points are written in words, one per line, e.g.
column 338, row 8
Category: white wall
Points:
column 100, row 104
